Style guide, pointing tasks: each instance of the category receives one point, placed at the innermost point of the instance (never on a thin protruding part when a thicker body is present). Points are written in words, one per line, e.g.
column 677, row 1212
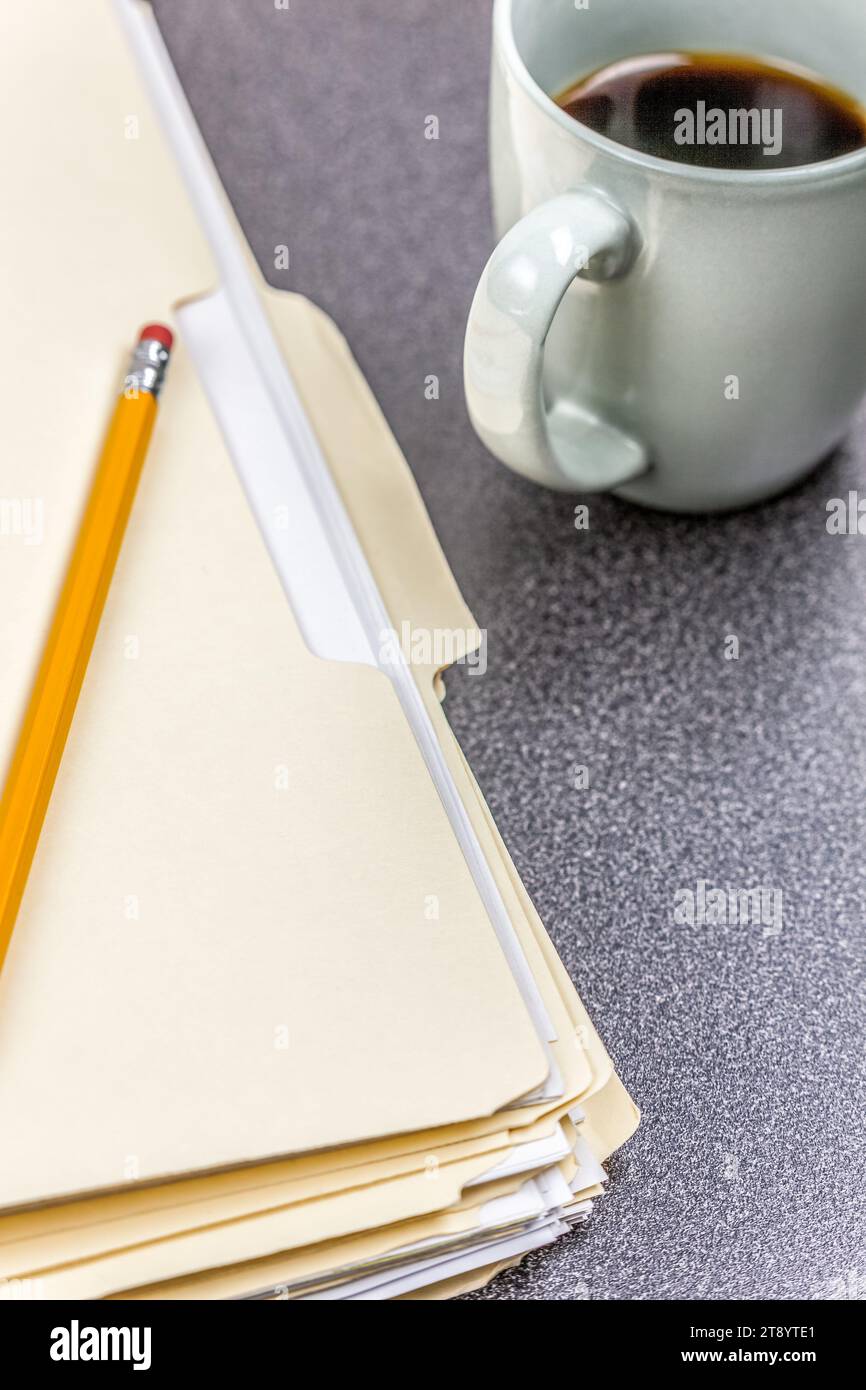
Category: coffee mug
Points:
column 691, row 338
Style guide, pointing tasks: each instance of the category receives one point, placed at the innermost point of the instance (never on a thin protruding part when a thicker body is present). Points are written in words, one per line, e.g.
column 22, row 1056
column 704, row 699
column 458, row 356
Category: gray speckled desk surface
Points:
column 606, row 649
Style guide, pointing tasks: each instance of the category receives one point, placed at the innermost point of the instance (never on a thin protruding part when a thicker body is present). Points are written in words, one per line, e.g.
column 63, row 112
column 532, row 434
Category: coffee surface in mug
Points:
column 717, row 110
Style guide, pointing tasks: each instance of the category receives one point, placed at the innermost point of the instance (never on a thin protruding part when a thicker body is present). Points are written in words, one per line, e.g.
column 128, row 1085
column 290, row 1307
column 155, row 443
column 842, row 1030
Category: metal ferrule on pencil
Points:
column 146, row 368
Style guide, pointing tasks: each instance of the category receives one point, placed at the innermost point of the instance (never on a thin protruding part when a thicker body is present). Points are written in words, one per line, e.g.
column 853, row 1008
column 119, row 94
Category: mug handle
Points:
column 567, row 447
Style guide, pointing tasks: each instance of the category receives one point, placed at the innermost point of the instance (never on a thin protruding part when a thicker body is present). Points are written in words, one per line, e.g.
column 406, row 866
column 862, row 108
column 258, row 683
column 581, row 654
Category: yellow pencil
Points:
column 53, row 698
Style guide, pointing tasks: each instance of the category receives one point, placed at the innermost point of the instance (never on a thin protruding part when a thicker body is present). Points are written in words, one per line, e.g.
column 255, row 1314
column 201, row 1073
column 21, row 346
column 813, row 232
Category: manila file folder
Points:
column 249, row 930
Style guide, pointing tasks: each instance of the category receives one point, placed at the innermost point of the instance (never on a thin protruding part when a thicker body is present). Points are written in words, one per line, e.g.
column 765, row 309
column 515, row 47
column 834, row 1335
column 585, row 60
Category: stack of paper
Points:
column 278, row 1018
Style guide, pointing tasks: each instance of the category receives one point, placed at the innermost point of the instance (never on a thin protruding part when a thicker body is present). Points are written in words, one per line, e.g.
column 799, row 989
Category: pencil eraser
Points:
column 159, row 332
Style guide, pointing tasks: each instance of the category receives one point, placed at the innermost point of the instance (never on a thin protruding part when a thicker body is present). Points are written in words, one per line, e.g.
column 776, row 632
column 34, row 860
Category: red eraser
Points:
column 159, row 332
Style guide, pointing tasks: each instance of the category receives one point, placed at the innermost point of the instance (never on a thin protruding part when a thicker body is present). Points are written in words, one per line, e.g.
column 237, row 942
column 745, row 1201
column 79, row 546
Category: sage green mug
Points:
column 691, row 338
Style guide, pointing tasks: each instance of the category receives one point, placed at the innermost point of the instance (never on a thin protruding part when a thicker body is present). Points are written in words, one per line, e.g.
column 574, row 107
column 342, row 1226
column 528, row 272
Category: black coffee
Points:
column 720, row 111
